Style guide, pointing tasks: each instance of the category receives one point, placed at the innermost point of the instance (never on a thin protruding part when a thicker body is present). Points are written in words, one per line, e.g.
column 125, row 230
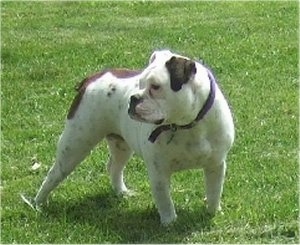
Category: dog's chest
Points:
column 186, row 152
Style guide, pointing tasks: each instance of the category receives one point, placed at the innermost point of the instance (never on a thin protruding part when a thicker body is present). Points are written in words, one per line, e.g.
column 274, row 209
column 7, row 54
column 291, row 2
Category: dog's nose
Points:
column 134, row 100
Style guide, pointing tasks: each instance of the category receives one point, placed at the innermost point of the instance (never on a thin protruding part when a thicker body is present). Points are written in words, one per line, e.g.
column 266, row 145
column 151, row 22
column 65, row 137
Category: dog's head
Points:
column 168, row 91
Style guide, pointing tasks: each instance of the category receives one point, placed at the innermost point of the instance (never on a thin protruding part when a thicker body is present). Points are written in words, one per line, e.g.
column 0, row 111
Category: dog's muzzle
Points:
column 133, row 102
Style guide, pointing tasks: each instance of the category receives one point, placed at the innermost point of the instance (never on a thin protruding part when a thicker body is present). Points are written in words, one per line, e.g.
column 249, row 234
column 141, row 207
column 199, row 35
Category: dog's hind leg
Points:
column 73, row 146
column 120, row 153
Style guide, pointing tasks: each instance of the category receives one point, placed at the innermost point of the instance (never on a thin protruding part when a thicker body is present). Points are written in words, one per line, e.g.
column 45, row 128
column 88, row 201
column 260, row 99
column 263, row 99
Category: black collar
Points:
column 206, row 107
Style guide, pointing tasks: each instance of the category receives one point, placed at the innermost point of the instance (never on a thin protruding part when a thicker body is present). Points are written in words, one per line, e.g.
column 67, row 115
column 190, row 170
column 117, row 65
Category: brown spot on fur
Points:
column 118, row 141
column 176, row 165
column 124, row 73
column 81, row 87
column 112, row 89
column 180, row 70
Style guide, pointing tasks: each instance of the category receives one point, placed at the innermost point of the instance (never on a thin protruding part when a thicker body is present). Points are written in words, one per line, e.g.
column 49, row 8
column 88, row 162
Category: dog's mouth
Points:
column 140, row 113
column 135, row 116
column 158, row 122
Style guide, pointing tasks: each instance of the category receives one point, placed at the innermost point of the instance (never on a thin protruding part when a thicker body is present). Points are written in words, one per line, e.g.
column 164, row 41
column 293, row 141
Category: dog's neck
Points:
column 204, row 110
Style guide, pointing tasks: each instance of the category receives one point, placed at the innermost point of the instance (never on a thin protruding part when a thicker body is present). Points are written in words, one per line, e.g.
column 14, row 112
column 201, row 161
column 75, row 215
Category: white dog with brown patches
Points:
column 172, row 114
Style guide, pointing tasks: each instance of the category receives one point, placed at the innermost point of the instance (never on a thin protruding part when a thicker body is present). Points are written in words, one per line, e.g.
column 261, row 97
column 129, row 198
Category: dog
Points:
column 172, row 114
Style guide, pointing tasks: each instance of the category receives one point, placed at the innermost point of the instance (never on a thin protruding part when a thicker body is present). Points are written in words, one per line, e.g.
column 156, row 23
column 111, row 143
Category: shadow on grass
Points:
column 129, row 223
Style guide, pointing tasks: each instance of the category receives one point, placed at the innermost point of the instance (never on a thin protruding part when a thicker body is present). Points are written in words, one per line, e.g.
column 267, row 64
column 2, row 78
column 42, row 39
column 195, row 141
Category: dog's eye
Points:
column 155, row 87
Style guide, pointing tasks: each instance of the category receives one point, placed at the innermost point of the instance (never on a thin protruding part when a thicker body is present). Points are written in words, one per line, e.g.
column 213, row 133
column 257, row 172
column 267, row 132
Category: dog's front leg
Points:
column 214, row 179
column 160, row 184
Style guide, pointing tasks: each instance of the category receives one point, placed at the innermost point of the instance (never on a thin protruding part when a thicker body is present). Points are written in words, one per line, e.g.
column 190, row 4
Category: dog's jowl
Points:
column 172, row 114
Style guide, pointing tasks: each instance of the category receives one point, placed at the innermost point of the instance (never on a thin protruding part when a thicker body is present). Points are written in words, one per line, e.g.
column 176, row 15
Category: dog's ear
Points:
column 180, row 71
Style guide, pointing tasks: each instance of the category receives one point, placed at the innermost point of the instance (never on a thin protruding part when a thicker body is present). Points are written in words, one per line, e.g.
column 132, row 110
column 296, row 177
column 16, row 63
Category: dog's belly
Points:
column 179, row 163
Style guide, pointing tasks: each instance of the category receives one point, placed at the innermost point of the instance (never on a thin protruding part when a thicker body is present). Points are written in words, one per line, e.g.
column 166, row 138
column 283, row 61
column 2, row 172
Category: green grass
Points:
column 46, row 48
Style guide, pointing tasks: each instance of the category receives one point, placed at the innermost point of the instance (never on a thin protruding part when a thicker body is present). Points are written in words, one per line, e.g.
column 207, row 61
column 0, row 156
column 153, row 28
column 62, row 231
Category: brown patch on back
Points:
column 124, row 73
column 81, row 87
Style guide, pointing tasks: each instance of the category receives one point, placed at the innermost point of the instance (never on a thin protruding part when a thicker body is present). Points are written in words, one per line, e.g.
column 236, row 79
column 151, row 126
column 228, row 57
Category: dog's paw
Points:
column 168, row 220
column 212, row 209
column 126, row 193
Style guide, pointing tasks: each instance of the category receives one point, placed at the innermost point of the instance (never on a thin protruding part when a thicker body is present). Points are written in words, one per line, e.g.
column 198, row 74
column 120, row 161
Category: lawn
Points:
column 48, row 47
